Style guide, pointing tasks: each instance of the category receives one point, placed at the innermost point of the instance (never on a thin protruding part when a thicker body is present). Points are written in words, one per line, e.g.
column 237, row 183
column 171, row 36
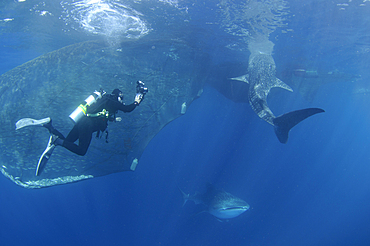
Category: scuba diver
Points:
column 90, row 117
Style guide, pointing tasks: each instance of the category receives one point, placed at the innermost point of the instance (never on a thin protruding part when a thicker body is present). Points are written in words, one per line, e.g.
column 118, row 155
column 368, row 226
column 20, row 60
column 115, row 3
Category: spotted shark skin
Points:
column 262, row 78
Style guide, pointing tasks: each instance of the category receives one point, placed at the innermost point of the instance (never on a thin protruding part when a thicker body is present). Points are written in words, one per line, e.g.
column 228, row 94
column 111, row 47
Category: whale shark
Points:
column 261, row 78
column 219, row 203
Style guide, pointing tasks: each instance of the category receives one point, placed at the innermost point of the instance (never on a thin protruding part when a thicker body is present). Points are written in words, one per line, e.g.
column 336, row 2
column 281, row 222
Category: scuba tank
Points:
column 80, row 111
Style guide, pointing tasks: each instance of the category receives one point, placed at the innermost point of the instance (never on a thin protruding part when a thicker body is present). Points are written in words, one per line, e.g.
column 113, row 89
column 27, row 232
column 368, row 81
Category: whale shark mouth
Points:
column 229, row 212
column 235, row 208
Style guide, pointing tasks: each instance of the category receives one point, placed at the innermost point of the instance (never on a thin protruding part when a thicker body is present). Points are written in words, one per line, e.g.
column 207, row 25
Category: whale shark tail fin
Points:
column 285, row 122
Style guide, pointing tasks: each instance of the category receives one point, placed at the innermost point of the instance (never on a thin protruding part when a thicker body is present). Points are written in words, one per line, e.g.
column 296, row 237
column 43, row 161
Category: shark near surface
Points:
column 261, row 78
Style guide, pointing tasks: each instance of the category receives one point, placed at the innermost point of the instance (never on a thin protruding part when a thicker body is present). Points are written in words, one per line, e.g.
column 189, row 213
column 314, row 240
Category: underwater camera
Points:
column 140, row 87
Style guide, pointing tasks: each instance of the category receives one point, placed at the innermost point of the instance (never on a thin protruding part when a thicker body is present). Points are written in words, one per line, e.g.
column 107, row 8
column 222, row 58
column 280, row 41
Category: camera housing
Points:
column 140, row 87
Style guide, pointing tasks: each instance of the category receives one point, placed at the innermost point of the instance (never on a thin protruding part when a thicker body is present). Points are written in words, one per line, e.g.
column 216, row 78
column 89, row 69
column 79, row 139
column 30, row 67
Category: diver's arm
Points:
column 132, row 106
column 126, row 108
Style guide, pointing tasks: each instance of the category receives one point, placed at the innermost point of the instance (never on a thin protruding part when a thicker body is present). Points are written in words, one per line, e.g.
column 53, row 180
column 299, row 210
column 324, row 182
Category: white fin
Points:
column 281, row 84
column 30, row 122
column 243, row 78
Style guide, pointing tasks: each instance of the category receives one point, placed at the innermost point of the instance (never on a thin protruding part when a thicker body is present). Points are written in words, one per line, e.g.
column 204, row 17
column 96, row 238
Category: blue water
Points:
column 314, row 190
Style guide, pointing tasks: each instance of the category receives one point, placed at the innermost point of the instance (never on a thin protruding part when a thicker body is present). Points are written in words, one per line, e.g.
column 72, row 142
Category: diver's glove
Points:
column 138, row 98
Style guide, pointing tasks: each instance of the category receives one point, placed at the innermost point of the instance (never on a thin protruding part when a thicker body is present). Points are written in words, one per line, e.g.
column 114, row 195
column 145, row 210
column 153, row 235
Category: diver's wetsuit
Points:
column 84, row 128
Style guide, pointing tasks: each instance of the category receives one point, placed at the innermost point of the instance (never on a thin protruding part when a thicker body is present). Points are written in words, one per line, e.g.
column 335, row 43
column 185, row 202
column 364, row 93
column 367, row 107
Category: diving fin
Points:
column 285, row 122
column 31, row 122
column 46, row 155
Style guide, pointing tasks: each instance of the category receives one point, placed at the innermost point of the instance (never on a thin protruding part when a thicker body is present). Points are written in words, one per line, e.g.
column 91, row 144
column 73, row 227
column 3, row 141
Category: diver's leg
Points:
column 73, row 134
column 83, row 132
column 52, row 130
column 84, row 141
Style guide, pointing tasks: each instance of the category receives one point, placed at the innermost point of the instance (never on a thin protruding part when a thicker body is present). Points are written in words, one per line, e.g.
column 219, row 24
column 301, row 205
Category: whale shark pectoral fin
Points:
column 184, row 196
column 243, row 78
column 285, row 122
column 282, row 85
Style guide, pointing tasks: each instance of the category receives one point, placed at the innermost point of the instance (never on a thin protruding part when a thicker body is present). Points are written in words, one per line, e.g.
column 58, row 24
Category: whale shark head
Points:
column 226, row 206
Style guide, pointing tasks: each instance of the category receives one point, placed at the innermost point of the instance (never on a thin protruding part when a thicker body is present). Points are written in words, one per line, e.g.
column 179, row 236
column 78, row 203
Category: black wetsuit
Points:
column 84, row 128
